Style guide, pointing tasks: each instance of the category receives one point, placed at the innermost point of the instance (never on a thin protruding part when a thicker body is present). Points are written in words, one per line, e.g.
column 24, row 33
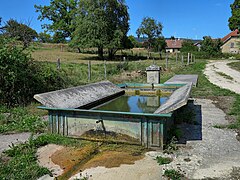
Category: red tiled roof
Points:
column 231, row 34
column 174, row 44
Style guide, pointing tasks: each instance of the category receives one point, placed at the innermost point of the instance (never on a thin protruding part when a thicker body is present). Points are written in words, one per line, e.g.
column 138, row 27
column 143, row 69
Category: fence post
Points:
column 58, row 64
column 188, row 59
column 191, row 58
column 182, row 59
column 176, row 57
column 105, row 69
column 166, row 60
column 89, row 70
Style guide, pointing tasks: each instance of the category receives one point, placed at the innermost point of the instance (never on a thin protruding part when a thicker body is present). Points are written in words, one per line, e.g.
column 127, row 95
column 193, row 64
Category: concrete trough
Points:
column 146, row 129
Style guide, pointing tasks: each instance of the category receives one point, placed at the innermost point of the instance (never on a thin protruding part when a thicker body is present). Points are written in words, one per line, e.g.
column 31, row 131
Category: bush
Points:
column 20, row 77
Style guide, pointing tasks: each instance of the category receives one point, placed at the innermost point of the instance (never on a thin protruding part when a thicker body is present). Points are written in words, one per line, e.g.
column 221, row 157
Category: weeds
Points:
column 171, row 147
column 173, row 174
column 19, row 120
column 225, row 75
column 22, row 163
column 162, row 160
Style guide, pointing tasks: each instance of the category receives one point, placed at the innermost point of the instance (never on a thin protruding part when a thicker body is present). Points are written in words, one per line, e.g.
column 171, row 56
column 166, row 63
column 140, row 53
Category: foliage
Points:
column 58, row 37
column 151, row 28
column 171, row 146
column 19, row 120
column 61, row 14
column 21, row 78
column 159, row 44
column 19, row 31
column 163, row 160
column 173, row 174
column 44, row 37
column 211, row 46
column 234, row 20
column 101, row 24
column 133, row 41
column 188, row 46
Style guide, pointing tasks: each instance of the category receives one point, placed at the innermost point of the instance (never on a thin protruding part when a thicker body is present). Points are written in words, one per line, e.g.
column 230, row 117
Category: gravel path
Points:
column 209, row 152
column 7, row 140
column 212, row 73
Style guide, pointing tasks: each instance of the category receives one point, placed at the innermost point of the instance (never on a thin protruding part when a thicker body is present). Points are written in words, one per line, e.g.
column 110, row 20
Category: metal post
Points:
column 89, row 70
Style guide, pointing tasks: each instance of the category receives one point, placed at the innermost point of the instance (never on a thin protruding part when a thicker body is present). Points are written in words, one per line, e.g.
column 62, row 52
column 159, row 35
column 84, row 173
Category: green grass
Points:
column 20, row 120
column 22, row 163
column 225, row 75
column 235, row 65
column 162, row 160
column 173, row 174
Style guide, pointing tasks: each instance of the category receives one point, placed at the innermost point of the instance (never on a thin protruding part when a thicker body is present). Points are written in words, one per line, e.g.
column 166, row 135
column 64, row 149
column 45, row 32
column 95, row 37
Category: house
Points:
column 231, row 43
column 173, row 45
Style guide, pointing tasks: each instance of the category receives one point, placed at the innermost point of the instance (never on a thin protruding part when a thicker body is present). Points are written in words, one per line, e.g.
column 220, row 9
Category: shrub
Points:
column 162, row 160
column 20, row 77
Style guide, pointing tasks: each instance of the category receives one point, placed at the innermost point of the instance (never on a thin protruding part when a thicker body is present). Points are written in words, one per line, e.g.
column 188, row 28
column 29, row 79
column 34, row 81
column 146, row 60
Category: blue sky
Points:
column 180, row 18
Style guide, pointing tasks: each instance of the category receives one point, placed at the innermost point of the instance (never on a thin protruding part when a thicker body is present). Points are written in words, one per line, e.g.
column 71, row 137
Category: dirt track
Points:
column 213, row 73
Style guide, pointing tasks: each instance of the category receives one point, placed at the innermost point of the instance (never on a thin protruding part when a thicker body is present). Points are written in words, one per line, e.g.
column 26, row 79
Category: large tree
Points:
column 188, row 46
column 102, row 24
column 61, row 14
column 151, row 29
column 234, row 20
column 19, row 31
column 211, row 46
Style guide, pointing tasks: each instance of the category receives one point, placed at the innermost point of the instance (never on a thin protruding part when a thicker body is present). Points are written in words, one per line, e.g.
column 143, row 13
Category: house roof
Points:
column 174, row 44
column 231, row 34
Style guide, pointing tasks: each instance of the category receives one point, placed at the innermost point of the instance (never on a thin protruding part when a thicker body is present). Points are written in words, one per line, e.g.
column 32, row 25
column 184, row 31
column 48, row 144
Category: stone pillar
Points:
column 153, row 74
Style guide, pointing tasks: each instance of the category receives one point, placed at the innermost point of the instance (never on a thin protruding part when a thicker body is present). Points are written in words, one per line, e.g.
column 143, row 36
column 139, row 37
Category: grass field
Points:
column 74, row 69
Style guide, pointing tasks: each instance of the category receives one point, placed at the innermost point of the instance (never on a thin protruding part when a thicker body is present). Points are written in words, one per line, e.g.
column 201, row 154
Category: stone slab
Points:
column 178, row 99
column 77, row 97
column 183, row 78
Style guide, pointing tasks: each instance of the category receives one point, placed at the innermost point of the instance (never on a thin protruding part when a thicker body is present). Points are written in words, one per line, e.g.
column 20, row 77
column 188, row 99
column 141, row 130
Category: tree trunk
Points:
column 79, row 50
column 110, row 54
column 100, row 53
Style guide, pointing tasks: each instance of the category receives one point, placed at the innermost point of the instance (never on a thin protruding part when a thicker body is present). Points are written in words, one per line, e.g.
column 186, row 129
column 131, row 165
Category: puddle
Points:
column 75, row 160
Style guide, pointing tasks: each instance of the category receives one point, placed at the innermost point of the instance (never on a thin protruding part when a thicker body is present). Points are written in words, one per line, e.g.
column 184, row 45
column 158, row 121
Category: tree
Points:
column 159, row 44
column 101, row 24
column 134, row 41
column 211, row 46
column 19, row 31
column 151, row 28
column 62, row 15
column 44, row 37
column 188, row 46
column 58, row 37
column 234, row 20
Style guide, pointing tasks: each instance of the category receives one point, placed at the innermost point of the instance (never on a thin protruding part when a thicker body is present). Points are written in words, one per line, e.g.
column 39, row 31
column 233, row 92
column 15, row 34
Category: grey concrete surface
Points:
column 183, row 78
column 78, row 96
column 178, row 99
column 9, row 139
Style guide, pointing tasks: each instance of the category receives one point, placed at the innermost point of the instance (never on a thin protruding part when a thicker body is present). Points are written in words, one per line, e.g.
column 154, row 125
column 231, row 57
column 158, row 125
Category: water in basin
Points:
column 135, row 104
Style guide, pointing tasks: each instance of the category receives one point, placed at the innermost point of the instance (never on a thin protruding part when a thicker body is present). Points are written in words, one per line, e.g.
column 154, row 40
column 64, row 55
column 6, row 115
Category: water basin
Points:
column 135, row 104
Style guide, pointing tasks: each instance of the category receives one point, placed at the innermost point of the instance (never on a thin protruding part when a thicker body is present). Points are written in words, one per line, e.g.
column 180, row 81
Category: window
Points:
column 232, row 45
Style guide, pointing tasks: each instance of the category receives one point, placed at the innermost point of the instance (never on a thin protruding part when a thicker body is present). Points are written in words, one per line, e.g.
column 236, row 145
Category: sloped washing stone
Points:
column 178, row 99
column 183, row 79
column 80, row 96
